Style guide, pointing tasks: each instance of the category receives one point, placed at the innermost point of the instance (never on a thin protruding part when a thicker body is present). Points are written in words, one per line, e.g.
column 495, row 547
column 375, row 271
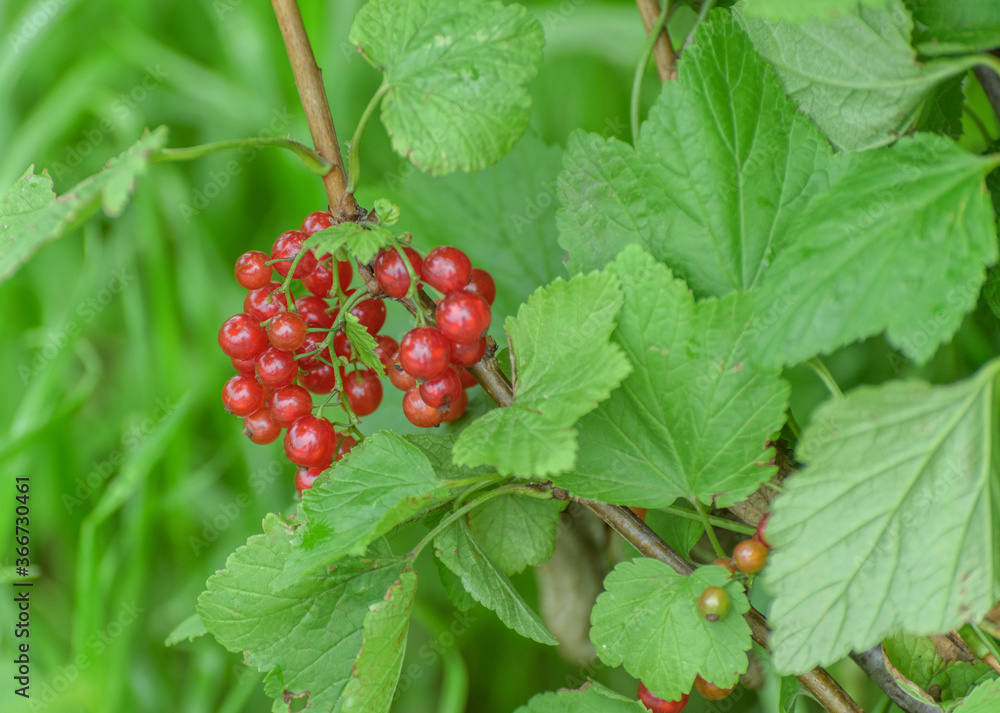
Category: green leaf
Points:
column 31, row 214
column 891, row 525
column 188, row 630
column 714, row 179
column 941, row 112
column 924, row 672
column 855, row 75
column 457, row 76
column 589, row 699
column 438, row 449
column 692, row 418
column 362, row 241
column 648, row 619
column 788, row 694
column 452, row 584
column 900, row 243
column 955, row 26
column 516, row 531
column 307, row 636
column 984, row 699
column 680, row 533
column 804, row 9
column 363, row 344
column 388, row 212
column 380, row 484
column 563, row 366
column 486, row 582
column 376, row 671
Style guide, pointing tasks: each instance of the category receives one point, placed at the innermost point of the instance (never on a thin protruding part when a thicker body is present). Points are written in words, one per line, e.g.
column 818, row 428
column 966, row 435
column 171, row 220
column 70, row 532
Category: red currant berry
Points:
column 287, row 331
column 260, row 427
column 276, row 368
column 304, row 478
column 252, row 270
column 391, row 272
column 468, row 354
column 310, row 442
column 289, row 403
column 442, row 391
column 321, row 380
column 463, row 317
column 761, row 529
column 319, row 281
column 482, row 284
column 457, row 409
column 750, row 556
column 315, row 311
column 311, row 344
column 371, row 314
column 709, row 691
column 399, row 378
column 726, row 562
column 364, row 391
column 345, row 273
column 424, row 353
column 468, row 380
column 316, row 221
column 242, row 337
column 243, row 366
column 342, row 346
column 285, row 248
column 655, row 704
column 263, row 303
column 242, row 395
column 345, row 446
column 714, row 603
column 639, row 512
column 446, row 269
column 419, row 413
column 385, row 348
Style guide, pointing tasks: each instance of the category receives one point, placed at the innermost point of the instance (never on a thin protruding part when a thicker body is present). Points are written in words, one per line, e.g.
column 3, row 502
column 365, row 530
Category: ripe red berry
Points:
column 344, row 446
column 315, row 311
column 342, row 346
column 310, row 442
column 391, row 272
column 385, row 348
column 345, row 273
column 304, row 478
column 363, row 390
column 252, row 270
column 263, row 303
column 288, row 404
column 319, row 281
column 639, row 512
column 371, row 315
column 442, row 391
column 468, row 354
column 285, row 248
column 446, row 269
column 242, row 395
column 656, row 704
column 750, row 556
column 709, row 691
column 260, row 427
column 419, row 413
column 714, row 603
column 468, row 380
column 321, row 380
column 726, row 562
column 759, row 535
column 457, row 409
column 424, row 353
column 316, row 221
column 399, row 378
column 482, row 284
column 463, row 317
column 311, row 344
column 286, row 331
column 242, row 337
column 243, row 366
column 276, row 368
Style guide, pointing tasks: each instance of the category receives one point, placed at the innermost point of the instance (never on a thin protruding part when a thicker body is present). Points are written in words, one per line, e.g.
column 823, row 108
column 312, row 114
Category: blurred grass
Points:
column 141, row 485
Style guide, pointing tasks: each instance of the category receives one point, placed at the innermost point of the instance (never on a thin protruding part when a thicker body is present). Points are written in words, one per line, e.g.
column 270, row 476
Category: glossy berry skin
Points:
column 424, row 353
column 391, row 272
column 482, row 284
column 468, row 354
column 321, row 380
column 319, row 281
column 463, row 317
column 285, row 248
column 457, row 409
column 468, row 380
column 310, row 442
column 709, row 691
column 345, row 273
column 252, row 270
column 311, row 344
column 288, row 404
column 316, row 221
column 242, row 395
column 242, row 337
column 385, row 348
column 286, row 331
column 243, row 366
column 399, row 378
column 655, row 704
column 315, row 311
column 276, row 368
column 371, row 315
column 442, row 391
column 446, row 269
column 726, row 562
column 761, row 529
column 260, row 427
column 261, row 304
column 342, row 346
column 304, row 478
column 344, row 446
column 419, row 413
column 713, row 604
column 750, row 556
column 363, row 390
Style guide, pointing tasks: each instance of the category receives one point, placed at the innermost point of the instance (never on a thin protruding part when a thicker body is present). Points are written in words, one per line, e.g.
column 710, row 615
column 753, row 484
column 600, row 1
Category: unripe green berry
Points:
column 714, row 603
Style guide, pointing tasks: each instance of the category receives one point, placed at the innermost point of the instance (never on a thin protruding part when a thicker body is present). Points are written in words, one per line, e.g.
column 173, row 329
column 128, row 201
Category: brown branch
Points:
column 309, row 81
column 990, row 81
column 663, row 50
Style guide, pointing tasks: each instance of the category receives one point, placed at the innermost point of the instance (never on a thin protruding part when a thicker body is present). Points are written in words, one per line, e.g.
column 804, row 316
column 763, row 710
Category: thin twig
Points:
column 990, row 81
column 663, row 50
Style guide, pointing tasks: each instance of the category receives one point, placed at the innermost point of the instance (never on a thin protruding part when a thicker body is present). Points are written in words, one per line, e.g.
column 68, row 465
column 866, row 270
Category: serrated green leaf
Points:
column 361, row 241
column 721, row 166
column 984, row 698
column 516, row 531
column 648, row 620
column 900, row 243
column 692, row 418
column 564, row 365
column 486, row 582
column 680, row 533
column 590, row 699
column 454, row 588
column 31, row 214
column 457, row 77
column 376, row 671
column 438, row 449
column 855, row 75
column 388, row 212
column 188, row 630
column 955, row 26
column 363, row 344
column 801, row 10
column 380, row 484
column 916, row 660
column 890, row 526
column 307, row 636
column 941, row 112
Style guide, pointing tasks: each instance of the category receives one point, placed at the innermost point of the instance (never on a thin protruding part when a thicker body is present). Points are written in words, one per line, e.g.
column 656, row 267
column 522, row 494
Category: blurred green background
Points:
column 141, row 484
